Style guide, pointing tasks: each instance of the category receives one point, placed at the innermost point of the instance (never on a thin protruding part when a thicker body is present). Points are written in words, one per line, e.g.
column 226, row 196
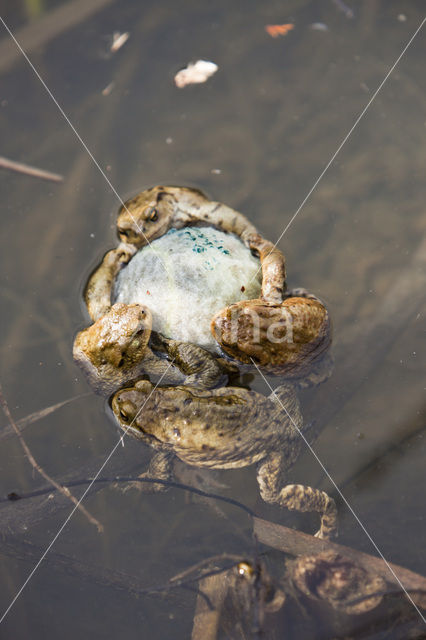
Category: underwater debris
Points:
column 195, row 73
column 276, row 30
column 118, row 40
column 344, row 8
column 318, row 26
column 107, row 90
column 339, row 581
column 28, row 170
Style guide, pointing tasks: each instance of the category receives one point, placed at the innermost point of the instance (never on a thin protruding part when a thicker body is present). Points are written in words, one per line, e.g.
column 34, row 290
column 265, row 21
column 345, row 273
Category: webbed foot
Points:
column 296, row 496
column 299, row 497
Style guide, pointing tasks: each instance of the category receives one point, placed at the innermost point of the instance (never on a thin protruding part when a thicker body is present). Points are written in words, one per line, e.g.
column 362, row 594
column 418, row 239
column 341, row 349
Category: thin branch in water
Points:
column 118, row 479
column 36, row 35
column 63, row 490
column 118, row 40
column 273, row 535
column 419, row 595
column 8, row 430
column 200, row 565
column 28, row 170
column 347, row 11
column 199, row 593
column 185, row 584
column 98, row 575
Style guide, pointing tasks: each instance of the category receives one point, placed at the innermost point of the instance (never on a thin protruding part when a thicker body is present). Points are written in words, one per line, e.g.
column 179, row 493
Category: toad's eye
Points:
column 153, row 215
column 124, row 415
column 245, row 569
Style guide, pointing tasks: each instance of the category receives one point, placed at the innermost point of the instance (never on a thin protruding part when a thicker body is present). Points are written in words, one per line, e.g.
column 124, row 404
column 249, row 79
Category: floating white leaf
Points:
column 195, row 73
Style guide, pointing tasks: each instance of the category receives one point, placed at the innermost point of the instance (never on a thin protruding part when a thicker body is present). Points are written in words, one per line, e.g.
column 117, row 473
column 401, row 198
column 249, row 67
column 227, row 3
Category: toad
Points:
column 284, row 332
column 199, row 419
column 225, row 428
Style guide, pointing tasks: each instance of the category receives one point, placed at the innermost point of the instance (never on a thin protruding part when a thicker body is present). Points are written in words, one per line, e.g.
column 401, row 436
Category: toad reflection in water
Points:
column 191, row 307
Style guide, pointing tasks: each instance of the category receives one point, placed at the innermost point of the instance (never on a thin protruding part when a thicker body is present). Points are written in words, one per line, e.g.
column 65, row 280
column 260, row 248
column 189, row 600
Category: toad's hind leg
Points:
column 296, row 496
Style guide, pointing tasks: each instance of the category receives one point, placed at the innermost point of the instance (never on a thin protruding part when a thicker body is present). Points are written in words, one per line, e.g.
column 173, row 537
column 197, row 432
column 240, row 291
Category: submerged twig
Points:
column 28, row 170
column 8, row 429
column 285, row 539
column 63, row 490
column 118, row 40
column 298, row 543
column 36, row 35
column 347, row 11
column 100, row 575
column 231, row 557
column 127, row 479
column 241, row 597
column 207, row 618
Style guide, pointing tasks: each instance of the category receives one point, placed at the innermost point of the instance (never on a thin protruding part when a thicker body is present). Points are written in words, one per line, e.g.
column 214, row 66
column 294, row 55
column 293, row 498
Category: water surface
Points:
column 256, row 136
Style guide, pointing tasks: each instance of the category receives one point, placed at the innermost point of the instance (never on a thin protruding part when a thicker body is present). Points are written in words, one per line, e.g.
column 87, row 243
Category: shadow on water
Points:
column 256, row 136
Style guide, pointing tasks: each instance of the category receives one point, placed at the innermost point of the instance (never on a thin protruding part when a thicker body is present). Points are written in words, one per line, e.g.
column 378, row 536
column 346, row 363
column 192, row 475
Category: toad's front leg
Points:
column 272, row 260
column 98, row 292
column 200, row 367
column 160, row 468
column 296, row 496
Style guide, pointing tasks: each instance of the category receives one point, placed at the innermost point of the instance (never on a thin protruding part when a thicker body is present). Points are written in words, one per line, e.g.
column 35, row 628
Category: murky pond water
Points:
column 256, row 136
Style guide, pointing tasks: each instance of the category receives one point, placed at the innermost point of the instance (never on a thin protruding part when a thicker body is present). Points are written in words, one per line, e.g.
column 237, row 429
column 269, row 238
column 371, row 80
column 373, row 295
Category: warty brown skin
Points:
column 288, row 336
column 227, row 427
column 153, row 212
column 111, row 350
column 97, row 294
column 120, row 346
column 224, row 428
